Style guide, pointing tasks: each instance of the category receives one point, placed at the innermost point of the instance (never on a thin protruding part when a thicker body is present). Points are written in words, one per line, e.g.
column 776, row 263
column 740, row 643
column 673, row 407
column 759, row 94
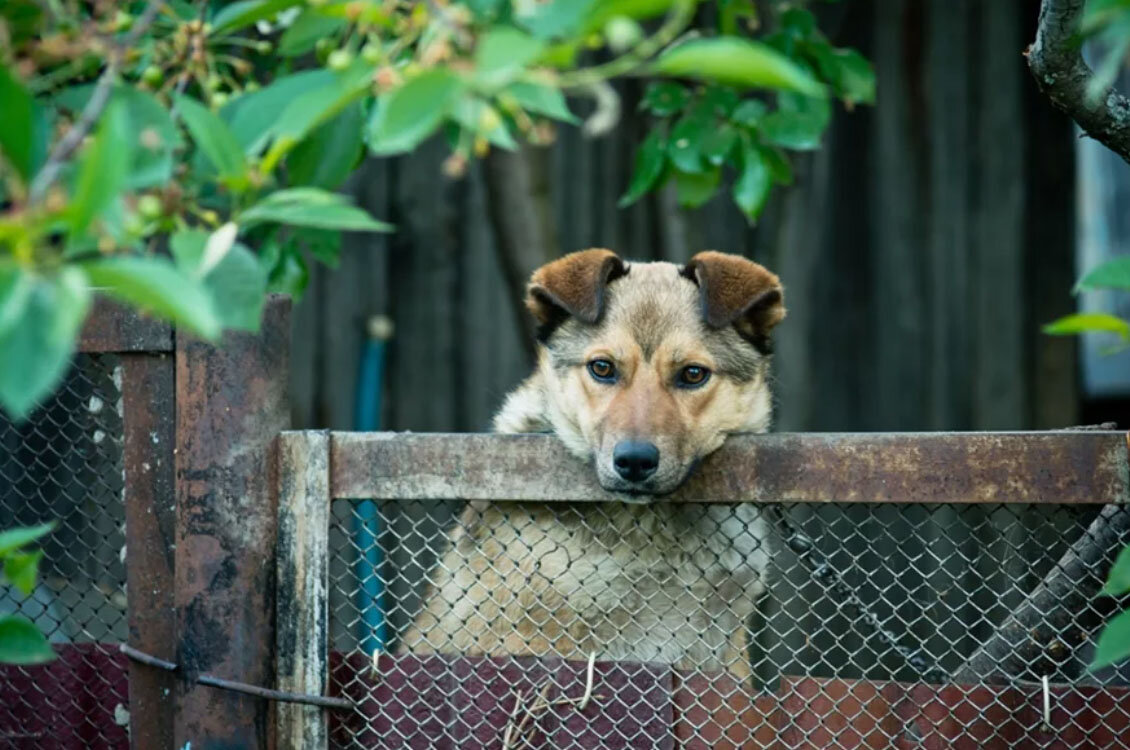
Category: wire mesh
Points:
column 474, row 628
column 64, row 464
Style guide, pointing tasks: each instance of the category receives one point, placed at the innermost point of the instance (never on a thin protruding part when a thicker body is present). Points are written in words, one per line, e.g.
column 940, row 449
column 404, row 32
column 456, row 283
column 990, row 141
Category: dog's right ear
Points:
column 572, row 286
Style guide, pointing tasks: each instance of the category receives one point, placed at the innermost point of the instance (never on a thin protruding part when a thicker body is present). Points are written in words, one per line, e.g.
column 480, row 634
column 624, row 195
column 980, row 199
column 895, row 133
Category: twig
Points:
column 515, row 738
column 1062, row 75
column 677, row 20
column 73, row 138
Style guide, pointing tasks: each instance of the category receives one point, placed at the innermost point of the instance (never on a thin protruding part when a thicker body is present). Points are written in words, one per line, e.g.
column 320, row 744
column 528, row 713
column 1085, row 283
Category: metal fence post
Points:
column 231, row 402
column 303, row 585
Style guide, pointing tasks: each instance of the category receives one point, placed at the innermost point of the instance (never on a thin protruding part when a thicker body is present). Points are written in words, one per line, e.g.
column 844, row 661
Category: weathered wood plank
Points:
column 988, row 467
column 113, row 327
column 231, row 404
column 148, row 421
column 303, row 584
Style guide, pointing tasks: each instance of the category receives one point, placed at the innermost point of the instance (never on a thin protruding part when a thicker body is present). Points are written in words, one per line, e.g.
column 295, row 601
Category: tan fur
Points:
column 648, row 581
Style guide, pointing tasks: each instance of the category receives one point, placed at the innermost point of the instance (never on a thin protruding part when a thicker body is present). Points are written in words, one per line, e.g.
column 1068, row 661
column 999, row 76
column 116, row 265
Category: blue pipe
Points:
column 367, row 521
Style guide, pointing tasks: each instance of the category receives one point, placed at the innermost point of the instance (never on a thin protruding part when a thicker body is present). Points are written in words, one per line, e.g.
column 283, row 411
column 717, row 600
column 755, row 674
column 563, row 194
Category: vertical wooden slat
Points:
column 148, row 422
column 231, row 405
column 303, row 581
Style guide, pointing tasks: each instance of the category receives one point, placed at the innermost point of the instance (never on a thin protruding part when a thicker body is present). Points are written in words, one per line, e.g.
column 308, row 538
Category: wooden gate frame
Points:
column 317, row 467
column 199, row 427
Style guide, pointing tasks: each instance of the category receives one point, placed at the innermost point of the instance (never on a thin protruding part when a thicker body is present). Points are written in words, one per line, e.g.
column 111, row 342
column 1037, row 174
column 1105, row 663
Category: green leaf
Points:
column 542, row 100
column 12, row 539
column 319, row 105
column 738, row 62
column 154, row 134
column 694, row 189
column 849, row 72
column 1114, row 642
column 1118, row 581
column 103, row 168
column 16, row 126
column 214, row 138
column 16, row 286
column 1114, row 274
column 289, row 275
column 663, row 98
column 554, row 18
column 798, row 23
column 42, row 339
column 718, row 143
column 237, row 15
column 1088, row 323
column 751, row 189
column 238, row 286
column 307, row 29
column 408, row 115
column 718, row 101
column 650, row 160
column 157, row 137
column 798, row 122
column 639, row 10
column 779, row 167
column 154, row 284
column 749, row 112
column 685, row 146
column 310, row 207
column 22, row 643
column 502, row 54
column 329, row 154
column 22, row 568
column 255, row 117
column 731, row 11
column 324, row 245
column 482, row 119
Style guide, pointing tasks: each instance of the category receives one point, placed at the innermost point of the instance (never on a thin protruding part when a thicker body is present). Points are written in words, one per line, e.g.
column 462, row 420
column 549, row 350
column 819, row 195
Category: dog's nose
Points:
column 635, row 460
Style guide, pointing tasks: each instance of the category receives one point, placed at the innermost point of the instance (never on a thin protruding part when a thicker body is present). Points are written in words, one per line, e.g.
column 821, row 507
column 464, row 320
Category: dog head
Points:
column 647, row 367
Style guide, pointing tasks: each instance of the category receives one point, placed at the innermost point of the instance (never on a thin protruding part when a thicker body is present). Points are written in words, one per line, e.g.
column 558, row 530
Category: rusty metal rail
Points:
column 1064, row 467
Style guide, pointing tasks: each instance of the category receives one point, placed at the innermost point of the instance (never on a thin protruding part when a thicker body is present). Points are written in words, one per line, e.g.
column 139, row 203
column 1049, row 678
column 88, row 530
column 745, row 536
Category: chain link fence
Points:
column 770, row 625
column 64, row 464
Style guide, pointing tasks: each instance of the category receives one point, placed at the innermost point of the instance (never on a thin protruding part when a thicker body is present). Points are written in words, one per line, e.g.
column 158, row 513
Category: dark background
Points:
column 921, row 248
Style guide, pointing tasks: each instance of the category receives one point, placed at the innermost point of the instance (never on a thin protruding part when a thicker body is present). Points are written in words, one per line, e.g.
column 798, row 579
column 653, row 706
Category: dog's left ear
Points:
column 736, row 291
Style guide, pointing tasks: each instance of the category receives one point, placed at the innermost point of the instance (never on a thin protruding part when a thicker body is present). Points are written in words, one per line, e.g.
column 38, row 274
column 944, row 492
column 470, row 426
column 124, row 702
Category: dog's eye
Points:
column 603, row 370
column 692, row 376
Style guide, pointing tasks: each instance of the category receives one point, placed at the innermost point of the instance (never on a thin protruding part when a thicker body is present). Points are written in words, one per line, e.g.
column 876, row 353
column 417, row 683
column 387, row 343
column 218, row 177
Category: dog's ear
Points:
column 735, row 290
column 572, row 286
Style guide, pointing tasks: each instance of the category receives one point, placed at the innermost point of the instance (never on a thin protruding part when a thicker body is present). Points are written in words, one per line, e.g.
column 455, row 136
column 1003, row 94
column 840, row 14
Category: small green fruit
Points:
column 153, row 75
column 149, row 206
column 339, row 59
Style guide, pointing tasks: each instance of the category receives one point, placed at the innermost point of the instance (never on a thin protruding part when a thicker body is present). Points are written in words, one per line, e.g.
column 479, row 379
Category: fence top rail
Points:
column 1063, row 467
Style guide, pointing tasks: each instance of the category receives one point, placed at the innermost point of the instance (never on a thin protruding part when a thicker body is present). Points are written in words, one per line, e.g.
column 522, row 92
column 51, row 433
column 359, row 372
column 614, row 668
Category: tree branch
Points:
column 522, row 220
column 1041, row 637
column 1057, row 64
column 73, row 138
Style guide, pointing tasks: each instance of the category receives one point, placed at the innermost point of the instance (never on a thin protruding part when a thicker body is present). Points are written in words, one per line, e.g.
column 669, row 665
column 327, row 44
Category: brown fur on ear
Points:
column 735, row 290
column 573, row 285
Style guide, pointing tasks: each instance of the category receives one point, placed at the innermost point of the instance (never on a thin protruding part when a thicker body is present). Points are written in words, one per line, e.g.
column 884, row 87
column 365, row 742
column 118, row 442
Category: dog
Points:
column 642, row 370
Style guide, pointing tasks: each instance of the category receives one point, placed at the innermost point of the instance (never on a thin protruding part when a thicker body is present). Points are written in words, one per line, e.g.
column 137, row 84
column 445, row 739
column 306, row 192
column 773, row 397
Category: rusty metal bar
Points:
column 1067, row 467
column 231, row 405
column 239, row 687
column 112, row 327
column 303, row 584
column 148, row 415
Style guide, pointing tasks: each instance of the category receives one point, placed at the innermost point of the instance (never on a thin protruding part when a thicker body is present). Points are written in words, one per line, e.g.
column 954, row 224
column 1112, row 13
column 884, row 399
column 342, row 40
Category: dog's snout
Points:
column 635, row 460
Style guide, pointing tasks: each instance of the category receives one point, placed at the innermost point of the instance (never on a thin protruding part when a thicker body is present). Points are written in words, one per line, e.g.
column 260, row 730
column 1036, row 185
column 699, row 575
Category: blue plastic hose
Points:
column 367, row 522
